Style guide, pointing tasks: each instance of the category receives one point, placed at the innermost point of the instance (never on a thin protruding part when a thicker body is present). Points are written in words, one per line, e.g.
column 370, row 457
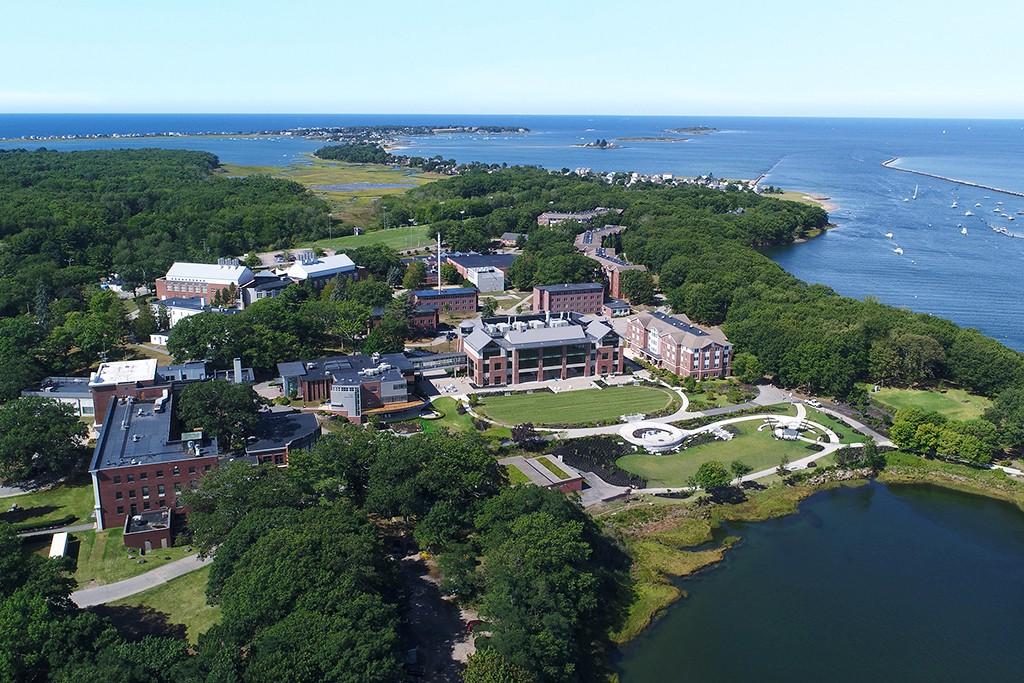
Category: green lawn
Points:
column 845, row 434
column 183, row 600
column 103, row 558
column 577, row 407
column 405, row 237
column 955, row 404
column 757, row 449
column 454, row 422
column 51, row 505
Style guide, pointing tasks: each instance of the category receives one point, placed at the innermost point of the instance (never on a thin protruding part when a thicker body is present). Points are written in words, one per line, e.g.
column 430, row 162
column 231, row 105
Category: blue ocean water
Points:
column 974, row 280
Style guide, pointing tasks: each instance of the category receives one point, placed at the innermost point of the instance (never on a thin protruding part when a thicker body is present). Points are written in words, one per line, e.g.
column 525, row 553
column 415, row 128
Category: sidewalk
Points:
column 87, row 597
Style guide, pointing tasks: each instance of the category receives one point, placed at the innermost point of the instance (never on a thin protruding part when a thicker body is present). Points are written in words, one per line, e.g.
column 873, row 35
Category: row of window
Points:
column 134, row 509
column 160, row 490
column 181, row 287
column 175, row 471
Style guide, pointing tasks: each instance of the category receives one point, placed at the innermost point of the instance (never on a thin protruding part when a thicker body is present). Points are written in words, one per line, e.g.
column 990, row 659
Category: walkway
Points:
column 56, row 530
column 87, row 597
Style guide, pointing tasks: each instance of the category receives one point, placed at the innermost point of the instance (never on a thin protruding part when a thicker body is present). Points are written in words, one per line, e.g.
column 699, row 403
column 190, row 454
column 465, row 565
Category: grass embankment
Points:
column 904, row 468
column 585, row 406
column 183, row 600
column 757, row 449
column 846, row 434
column 660, row 536
column 956, row 404
column 103, row 558
column 454, row 422
column 64, row 505
column 350, row 189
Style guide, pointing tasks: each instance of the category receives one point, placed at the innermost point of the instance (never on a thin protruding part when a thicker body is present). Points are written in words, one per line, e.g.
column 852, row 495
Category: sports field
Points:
column 577, row 407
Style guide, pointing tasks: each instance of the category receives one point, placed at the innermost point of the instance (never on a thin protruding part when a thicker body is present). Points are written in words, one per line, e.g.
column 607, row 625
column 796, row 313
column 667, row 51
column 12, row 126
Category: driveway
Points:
column 87, row 597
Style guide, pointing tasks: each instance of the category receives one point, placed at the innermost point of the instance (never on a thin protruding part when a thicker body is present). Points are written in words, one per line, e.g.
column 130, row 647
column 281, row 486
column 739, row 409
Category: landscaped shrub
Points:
column 598, row 454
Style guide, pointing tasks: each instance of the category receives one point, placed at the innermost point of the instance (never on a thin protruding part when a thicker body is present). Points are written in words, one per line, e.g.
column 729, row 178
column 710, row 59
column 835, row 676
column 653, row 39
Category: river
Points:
column 901, row 583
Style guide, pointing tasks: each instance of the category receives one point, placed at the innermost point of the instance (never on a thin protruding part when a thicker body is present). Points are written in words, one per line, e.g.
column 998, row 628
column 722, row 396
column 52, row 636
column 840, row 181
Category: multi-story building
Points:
column 71, row 391
column 549, row 218
column 528, row 348
column 179, row 308
column 204, row 280
column 486, row 278
column 320, row 270
column 266, row 285
column 355, row 386
column 612, row 265
column 423, row 318
column 584, row 297
column 144, row 460
column 464, row 261
column 451, row 300
column 680, row 346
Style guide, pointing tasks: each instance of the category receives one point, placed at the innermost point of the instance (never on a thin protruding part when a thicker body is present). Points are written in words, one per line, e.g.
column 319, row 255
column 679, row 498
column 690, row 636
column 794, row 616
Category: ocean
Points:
column 974, row 279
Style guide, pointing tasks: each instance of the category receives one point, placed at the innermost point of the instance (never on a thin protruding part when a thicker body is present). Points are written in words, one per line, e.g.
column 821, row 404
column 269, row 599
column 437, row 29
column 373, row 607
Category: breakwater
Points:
column 890, row 163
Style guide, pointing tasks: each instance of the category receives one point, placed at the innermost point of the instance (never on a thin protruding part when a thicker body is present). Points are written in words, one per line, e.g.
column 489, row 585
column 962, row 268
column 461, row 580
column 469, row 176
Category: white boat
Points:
column 914, row 196
column 978, row 205
column 898, row 251
column 888, row 235
column 968, row 213
column 954, row 205
column 1010, row 218
column 995, row 211
column 963, row 231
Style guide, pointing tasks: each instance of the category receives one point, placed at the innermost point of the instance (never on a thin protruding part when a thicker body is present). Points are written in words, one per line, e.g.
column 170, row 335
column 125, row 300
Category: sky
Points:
column 635, row 57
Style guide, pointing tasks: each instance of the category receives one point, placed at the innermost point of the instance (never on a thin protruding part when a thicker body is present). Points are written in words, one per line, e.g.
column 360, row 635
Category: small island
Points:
column 693, row 130
column 654, row 138
column 599, row 143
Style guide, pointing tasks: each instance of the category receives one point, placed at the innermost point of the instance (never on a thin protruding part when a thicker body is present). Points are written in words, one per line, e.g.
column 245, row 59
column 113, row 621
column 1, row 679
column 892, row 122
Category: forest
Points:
column 70, row 219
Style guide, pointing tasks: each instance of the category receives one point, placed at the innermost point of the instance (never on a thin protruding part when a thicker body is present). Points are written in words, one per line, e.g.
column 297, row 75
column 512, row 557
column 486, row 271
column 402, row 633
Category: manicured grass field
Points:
column 454, row 422
column 955, row 404
column 103, row 558
column 183, row 600
column 51, row 505
column 577, row 407
column 405, row 237
column 757, row 449
column 845, row 434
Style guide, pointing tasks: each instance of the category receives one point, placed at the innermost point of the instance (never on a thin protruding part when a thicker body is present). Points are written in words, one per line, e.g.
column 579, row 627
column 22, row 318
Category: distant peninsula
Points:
column 653, row 138
column 348, row 134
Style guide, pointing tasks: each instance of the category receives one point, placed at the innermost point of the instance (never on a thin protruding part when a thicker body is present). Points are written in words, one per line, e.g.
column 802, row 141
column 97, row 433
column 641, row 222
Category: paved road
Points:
column 87, row 597
column 11, row 491
column 70, row 529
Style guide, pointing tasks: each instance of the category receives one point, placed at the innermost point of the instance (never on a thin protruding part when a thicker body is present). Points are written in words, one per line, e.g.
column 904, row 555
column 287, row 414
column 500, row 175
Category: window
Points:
column 145, row 506
column 194, row 485
column 160, row 490
column 130, row 478
column 192, row 469
column 145, row 492
column 177, row 502
column 143, row 475
column 120, row 509
column 134, row 508
column 118, row 495
column 117, row 478
column 177, row 487
column 159, row 473
column 131, row 493
column 206, row 468
column 175, row 470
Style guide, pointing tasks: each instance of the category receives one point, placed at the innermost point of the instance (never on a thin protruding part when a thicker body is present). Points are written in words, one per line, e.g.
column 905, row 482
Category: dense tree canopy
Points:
column 40, row 439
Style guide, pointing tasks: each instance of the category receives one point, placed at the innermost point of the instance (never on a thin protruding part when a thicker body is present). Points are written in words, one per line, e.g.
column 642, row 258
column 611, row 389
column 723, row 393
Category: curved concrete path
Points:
column 98, row 595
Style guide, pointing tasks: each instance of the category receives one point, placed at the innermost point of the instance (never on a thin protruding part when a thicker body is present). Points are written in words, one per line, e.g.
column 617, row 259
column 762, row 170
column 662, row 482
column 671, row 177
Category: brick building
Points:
column 680, row 346
column 464, row 261
column 528, row 348
column 584, row 297
column 204, row 280
column 423, row 318
column 355, row 386
column 280, row 433
column 448, row 301
column 143, row 461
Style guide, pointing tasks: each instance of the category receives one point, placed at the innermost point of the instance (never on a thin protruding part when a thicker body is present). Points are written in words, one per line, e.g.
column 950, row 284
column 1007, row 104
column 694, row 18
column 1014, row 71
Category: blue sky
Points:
column 787, row 57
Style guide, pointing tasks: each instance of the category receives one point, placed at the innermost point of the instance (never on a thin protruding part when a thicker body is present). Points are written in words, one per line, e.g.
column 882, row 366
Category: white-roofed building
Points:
column 319, row 270
column 204, row 280
column 507, row 350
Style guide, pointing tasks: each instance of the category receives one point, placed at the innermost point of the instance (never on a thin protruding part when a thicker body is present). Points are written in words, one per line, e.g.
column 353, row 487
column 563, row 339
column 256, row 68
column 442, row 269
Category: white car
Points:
column 813, row 402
